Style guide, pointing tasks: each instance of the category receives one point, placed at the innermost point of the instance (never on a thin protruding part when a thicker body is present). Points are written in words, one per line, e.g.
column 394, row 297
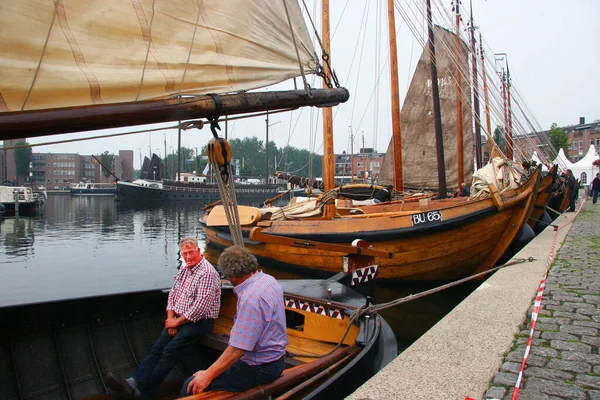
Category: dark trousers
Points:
column 571, row 201
column 241, row 376
column 165, row 353
column 595, row 199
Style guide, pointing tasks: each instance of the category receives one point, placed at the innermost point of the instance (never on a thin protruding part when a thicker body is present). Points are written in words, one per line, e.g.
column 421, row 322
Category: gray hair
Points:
column 188, row 240
column 237, row 261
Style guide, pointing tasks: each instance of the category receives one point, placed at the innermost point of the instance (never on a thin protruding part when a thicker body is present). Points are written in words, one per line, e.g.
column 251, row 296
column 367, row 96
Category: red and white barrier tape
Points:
column 538, row 301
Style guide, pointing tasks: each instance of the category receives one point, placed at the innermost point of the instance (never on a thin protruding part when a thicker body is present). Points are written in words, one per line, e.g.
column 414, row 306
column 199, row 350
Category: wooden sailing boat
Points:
column 431, row 240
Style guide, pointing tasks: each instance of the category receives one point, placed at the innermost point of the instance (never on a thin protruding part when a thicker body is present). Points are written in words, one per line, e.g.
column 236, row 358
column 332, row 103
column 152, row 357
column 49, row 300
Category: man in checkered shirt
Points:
column 255, row 354
column 192, row 308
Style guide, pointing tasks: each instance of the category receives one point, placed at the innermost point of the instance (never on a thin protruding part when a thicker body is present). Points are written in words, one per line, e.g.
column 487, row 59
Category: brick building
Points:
column 581, row 136
column 60, row 170
column 367, row 160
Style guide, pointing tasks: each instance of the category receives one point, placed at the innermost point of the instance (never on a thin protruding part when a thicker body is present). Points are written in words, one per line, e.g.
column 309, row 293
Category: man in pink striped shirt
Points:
column 255, row 354
column 192, row 308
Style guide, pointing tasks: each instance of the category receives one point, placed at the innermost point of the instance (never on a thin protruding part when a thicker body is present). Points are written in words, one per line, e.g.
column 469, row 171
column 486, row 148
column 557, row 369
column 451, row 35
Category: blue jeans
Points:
column 595, row 199
column 572, row 201
column 241, row 376
column 165, row 353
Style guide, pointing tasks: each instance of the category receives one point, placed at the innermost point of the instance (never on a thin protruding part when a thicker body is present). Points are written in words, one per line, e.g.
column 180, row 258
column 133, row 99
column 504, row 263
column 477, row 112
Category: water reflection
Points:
column 90, row 246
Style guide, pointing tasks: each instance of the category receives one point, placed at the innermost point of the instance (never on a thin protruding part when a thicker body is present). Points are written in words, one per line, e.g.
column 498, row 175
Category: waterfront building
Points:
column 59, row 171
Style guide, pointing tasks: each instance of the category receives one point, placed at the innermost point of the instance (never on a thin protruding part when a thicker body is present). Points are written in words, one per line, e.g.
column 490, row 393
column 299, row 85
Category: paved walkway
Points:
column 564, row 362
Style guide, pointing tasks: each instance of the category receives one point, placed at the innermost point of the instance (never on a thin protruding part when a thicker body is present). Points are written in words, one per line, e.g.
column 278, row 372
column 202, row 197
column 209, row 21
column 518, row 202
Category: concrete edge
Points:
column 460, row 355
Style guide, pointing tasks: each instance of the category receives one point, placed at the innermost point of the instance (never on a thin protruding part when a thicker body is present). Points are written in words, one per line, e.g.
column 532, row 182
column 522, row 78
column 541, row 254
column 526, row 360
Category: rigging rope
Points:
column 219, row 154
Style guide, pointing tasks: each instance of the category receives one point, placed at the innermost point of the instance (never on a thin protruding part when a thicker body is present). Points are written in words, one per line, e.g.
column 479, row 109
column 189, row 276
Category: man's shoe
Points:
column 118, row 388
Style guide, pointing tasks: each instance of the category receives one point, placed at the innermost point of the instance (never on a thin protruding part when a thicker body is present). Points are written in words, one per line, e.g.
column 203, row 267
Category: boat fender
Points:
column 360, row 243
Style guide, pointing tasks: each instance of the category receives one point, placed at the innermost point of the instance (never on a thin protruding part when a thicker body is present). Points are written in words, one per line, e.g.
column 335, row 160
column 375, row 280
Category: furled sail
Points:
column 66, row 53
column 419, row 159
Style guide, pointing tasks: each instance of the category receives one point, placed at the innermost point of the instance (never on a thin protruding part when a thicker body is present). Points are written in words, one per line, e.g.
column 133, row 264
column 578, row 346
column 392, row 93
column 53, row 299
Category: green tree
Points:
column 170, row 162
column 22, row 159
column 500, row 138
column 251, row 153
column 108, row 159
column 559, row 140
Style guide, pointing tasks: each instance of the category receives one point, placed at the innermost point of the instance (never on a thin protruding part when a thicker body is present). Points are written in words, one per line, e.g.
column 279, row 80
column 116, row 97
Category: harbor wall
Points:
column 459, row 356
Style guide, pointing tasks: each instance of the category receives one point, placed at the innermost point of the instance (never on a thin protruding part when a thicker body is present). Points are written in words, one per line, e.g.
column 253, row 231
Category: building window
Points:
column 583, row 178
column 581, row 147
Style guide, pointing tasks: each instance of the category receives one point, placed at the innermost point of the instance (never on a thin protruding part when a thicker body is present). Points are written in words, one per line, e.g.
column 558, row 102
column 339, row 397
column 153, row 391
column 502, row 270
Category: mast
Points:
column 351, row 156
column 437, row 113
column 509, row 142
column 178, row 154
column 267, row 149
column 504, row 110
column 328, row 159
column 166, row 172
column 16, row 125
column 364, row 158
column 475, row 94
column 459, row 106
column 396, row 133
column 488, row 122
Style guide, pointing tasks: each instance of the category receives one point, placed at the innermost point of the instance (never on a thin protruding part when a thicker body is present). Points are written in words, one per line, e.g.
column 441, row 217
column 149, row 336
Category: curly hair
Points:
column 188, row 240
column 237, row 261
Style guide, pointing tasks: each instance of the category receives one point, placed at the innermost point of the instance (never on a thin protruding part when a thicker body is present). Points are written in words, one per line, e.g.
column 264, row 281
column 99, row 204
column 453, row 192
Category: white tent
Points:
column 583, row 169
column 562, row 161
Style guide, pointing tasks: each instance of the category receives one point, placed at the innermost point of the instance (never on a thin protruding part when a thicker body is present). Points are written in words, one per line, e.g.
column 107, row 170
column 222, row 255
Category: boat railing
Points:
column 189, row 189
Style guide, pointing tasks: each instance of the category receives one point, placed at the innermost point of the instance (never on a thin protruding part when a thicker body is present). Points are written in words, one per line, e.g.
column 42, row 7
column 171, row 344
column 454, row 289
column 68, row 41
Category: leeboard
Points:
column 248, row 216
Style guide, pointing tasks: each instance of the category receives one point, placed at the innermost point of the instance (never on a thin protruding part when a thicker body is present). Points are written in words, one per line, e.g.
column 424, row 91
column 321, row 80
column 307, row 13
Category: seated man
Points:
column 192, row 308
column 255, row 354
column 385, row 194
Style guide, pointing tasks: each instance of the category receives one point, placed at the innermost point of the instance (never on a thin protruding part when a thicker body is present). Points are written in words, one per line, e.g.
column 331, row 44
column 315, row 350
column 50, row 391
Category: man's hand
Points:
column 199, row 383
column 171, row 323
column 172, row 331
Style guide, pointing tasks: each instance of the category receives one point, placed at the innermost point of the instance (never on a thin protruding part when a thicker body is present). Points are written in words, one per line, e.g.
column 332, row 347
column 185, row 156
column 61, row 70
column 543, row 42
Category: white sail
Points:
column 60, row 53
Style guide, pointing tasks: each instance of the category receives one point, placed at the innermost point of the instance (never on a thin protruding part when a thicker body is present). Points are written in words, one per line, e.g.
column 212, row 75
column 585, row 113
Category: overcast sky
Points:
column 552, row 49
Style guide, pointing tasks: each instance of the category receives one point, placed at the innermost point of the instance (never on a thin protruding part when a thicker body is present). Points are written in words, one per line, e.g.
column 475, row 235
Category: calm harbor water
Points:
column 91, row 246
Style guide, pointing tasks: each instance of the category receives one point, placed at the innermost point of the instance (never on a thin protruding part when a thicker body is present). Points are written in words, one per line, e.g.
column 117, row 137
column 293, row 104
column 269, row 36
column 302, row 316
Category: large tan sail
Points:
column 67, row 53
column 419, row 160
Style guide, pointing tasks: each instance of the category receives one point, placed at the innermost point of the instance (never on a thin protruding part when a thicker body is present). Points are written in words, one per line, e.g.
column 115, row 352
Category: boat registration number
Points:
column 427, row 218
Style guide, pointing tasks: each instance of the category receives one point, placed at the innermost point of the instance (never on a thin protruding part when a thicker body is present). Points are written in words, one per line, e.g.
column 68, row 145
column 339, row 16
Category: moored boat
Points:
column 18, row 200
column 145, row 190
column 539, row 218
column 93, row 189
column 430, row 240
column 85, row 339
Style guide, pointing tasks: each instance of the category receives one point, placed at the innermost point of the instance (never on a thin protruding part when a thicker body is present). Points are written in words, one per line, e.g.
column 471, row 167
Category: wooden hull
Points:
column 460, row 238
column 536, row 219
column 130, row 192
column 84, row 339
